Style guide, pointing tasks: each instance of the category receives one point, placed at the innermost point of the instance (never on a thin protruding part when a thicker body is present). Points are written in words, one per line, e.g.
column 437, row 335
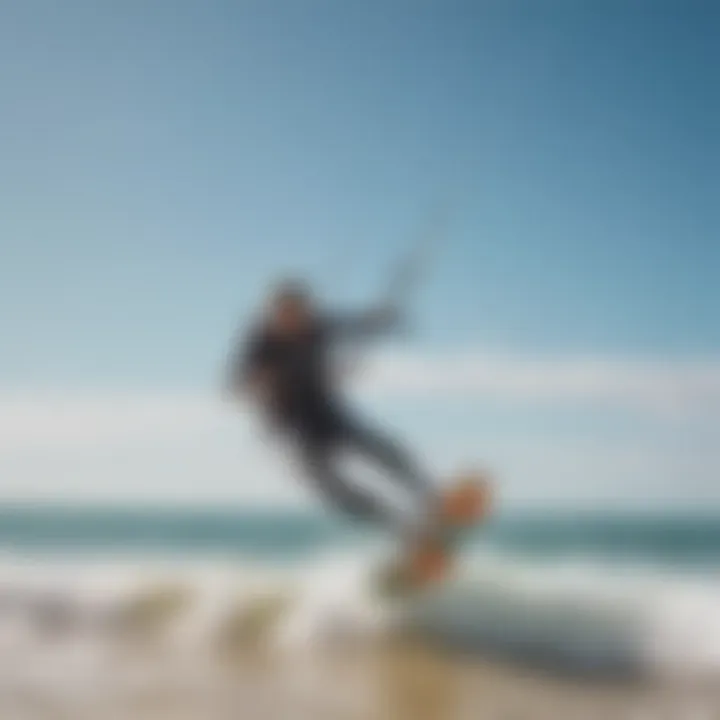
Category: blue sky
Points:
column 162, row 161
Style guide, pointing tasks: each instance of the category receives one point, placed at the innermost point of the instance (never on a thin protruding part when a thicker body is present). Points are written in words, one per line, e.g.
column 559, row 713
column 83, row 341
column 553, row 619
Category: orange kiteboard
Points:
column 430, row 557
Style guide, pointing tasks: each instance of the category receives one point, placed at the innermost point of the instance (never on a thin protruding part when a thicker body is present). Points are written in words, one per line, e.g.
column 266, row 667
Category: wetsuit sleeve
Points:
column 371, row 322
column 251, row 357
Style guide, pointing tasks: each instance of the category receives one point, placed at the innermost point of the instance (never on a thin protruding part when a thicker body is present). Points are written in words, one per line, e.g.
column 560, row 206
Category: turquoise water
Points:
column 675, row 540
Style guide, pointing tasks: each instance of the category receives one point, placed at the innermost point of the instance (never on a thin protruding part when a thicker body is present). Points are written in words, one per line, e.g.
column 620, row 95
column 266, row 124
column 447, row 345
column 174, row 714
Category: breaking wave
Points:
column 81, row 616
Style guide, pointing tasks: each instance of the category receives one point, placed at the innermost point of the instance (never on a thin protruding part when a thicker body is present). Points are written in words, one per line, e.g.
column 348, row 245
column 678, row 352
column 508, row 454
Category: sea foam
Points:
column 80, row 615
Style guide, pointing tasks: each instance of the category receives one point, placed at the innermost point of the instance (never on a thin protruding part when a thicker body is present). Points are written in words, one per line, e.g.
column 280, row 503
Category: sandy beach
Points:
column 398, row 680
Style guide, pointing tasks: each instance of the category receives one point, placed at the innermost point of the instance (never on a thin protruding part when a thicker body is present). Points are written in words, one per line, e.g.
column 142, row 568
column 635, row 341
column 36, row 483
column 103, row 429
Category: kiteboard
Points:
column 430, row 557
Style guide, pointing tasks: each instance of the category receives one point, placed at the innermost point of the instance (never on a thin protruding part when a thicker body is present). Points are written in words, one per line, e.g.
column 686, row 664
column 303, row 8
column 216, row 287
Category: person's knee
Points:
column 342, row 494
column 388, row 450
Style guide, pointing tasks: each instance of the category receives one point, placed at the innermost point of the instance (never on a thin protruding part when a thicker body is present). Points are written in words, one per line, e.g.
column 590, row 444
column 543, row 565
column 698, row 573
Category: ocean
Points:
column 675, row 541
column 616, row 593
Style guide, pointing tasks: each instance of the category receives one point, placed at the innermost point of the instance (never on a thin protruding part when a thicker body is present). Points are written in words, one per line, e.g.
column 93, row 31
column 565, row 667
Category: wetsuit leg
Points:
column 391, row 456
column 318, row 455
column 323, row 432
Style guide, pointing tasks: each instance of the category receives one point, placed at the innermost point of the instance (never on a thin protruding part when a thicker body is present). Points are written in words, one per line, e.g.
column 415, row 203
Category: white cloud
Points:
column 57, row 420
column 111, row 445
column 657, row 386
column 674, row 388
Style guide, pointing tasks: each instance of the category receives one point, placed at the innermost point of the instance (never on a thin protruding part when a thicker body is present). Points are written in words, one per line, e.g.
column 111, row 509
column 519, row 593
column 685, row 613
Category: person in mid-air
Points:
column 285, row 365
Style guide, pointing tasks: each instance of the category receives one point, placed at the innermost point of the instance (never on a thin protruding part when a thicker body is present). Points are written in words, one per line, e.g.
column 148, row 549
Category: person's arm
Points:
column 376, row 321
column 249, row 373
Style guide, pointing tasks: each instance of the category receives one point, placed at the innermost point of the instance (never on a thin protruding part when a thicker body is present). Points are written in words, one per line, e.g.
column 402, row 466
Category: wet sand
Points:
column 395, row 681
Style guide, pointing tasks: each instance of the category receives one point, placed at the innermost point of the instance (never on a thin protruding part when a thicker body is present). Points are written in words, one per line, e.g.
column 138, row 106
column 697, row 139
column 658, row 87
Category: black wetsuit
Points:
column 307, row 408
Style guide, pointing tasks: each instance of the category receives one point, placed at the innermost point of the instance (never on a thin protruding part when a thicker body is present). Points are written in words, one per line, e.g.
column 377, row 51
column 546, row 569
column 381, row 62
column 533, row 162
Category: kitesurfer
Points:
column 285, row 365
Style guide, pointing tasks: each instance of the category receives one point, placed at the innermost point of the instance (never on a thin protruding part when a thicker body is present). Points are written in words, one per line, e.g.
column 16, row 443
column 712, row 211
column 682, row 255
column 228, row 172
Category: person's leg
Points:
column 393, row 458
column 318, row 455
